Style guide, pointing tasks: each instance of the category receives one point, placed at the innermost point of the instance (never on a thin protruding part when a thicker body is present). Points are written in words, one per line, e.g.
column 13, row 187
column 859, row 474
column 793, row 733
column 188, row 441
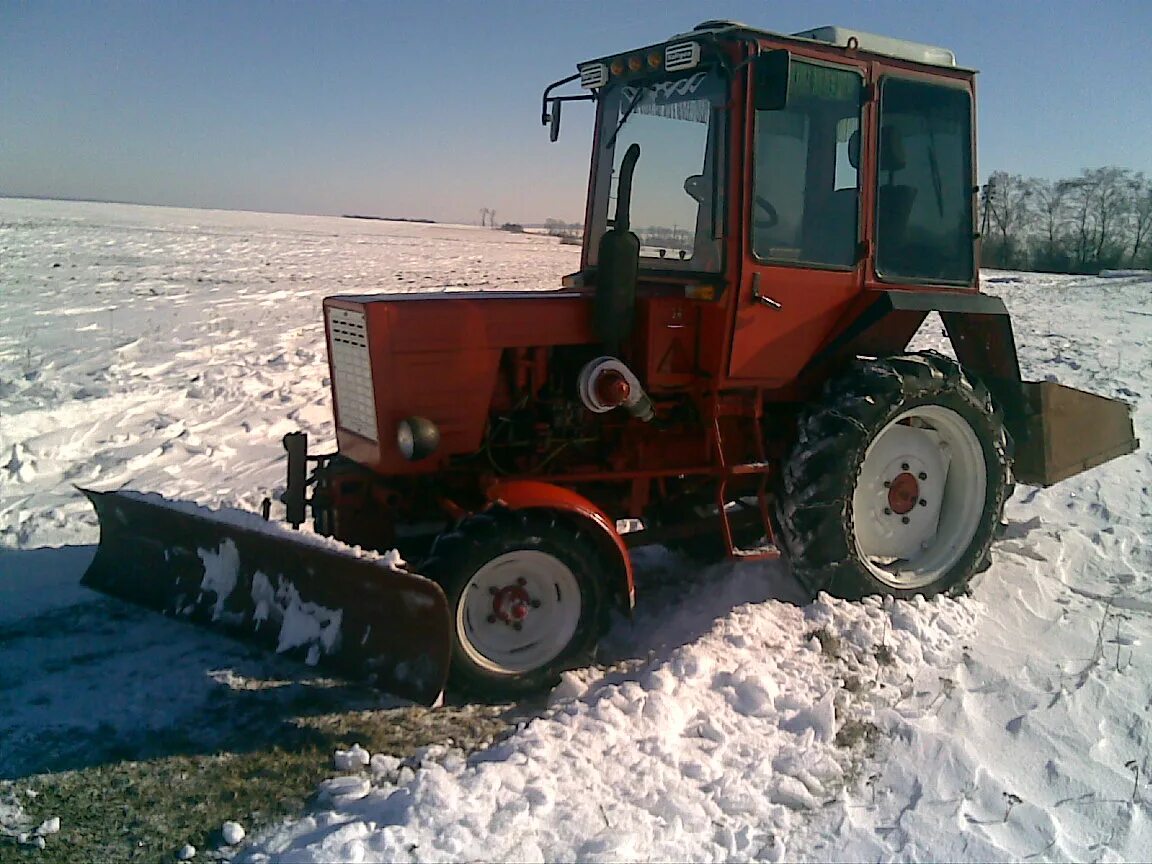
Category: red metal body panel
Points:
column 671, row 342
column 521, row 494
column 436, row 356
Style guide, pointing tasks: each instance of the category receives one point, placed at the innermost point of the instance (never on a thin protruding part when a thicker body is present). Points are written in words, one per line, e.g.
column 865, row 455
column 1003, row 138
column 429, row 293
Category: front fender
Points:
column 524, row 494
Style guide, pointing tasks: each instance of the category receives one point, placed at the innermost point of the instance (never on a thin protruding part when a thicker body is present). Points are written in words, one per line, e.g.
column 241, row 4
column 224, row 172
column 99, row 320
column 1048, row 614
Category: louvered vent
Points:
column 352, row 372
column 685, row 55
column 593, row 75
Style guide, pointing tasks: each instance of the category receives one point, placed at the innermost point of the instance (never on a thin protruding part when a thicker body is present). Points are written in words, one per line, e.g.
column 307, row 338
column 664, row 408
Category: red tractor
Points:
column 769, row 221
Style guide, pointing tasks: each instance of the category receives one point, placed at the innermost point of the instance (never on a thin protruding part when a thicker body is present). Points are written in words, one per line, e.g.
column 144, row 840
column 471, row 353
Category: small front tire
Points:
column 525, row 596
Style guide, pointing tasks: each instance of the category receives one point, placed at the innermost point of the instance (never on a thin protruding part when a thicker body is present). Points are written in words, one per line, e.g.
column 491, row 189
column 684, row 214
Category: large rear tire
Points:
column 525, row 599
column 897, row 482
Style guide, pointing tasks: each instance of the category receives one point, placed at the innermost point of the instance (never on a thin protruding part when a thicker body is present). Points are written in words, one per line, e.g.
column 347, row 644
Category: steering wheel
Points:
column 770, row 211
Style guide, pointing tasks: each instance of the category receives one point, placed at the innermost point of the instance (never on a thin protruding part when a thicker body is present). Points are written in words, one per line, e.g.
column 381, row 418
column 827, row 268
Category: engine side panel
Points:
column 437, row 357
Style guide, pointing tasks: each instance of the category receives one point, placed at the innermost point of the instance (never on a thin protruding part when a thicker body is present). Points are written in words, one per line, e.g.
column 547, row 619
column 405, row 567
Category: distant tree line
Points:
column 1097, row 221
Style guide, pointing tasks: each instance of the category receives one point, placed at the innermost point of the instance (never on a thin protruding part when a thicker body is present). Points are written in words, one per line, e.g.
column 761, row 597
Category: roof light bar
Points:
column 593, row 75
column 685, row 55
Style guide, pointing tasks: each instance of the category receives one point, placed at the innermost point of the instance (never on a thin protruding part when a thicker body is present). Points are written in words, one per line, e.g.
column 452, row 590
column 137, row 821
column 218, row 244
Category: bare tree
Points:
column 1140, row 209
column 1051, row 209
column 1007, row 213
column 1098, row 204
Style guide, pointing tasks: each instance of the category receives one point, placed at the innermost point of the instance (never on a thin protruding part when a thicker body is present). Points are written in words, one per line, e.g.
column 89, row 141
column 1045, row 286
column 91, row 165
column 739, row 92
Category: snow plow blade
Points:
column 1068, row 431
column 234, row 571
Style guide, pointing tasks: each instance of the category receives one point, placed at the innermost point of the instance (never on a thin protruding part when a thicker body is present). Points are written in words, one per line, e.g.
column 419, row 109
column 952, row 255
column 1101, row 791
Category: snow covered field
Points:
column 168, row 350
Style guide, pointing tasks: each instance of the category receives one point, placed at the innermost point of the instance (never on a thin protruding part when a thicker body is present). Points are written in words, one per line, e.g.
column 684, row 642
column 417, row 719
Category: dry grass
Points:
column 145, row 810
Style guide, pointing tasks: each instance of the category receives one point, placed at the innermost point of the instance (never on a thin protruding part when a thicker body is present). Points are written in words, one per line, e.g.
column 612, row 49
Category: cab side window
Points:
column 924, row 183
column 806, row 186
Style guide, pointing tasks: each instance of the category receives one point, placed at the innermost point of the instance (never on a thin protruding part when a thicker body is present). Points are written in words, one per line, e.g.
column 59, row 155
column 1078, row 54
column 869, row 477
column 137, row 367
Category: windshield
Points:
column 674, row 187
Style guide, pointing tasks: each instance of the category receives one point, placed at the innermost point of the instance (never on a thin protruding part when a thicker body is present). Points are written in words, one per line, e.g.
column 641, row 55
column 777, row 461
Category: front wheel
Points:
column 525, row 597
column 897, row 482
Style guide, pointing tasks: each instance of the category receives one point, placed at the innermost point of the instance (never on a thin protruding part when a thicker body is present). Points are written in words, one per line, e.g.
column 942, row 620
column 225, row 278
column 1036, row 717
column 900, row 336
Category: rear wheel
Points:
column 525, row 596
column 897, row 482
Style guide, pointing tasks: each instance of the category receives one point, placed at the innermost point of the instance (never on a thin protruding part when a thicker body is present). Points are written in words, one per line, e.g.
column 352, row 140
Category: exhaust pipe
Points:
column 606, row 383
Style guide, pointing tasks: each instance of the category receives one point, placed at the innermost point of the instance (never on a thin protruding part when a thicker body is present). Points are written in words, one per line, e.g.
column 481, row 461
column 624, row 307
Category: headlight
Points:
column 417, row 438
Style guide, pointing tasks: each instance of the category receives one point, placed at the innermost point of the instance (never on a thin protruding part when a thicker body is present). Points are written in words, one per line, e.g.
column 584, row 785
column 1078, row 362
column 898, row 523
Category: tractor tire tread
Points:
column 814, row 497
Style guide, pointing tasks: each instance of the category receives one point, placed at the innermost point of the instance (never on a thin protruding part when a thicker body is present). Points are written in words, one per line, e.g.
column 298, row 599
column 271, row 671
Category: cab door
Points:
column 803, row 260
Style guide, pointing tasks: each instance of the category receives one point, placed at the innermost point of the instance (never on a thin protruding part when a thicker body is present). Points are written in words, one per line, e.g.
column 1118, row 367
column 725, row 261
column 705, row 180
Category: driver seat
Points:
column 831, row 235
column 893, row 201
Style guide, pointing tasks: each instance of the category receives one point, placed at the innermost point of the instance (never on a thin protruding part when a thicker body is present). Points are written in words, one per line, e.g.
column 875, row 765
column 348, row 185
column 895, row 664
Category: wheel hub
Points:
column 919, row 497
column 511, row 604
column 518, row 612
column 903, row 493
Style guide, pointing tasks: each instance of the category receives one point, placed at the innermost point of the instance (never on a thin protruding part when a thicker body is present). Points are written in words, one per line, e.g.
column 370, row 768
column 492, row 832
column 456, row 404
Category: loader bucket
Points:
column 1068, row 431
column 296, row 593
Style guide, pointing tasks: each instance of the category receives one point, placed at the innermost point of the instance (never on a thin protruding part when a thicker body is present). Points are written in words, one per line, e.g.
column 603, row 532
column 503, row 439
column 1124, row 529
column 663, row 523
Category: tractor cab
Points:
column 779, row 176
column 836, row 137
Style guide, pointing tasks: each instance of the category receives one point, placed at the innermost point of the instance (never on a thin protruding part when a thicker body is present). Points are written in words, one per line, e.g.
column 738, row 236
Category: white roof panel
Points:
column 886, row 45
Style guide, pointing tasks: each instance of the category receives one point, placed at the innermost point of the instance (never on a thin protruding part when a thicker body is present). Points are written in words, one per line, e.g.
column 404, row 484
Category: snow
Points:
column 171, row 349
column 352, row 759
column 232, row 832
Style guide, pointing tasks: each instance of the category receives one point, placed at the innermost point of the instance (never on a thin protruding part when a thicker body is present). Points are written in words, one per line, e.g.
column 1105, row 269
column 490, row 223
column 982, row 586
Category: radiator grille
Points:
column 352, row 373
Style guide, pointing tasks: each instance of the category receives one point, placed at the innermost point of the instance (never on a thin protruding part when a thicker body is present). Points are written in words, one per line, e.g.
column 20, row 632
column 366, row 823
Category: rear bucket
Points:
column 1069, row 431
column 233, row 571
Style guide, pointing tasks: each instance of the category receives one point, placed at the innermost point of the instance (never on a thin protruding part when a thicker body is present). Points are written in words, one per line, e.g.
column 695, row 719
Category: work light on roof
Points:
column 685, row 55
column 593, row 75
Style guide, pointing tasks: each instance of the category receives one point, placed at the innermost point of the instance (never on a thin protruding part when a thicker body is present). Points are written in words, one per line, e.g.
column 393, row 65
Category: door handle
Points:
column 763, row 298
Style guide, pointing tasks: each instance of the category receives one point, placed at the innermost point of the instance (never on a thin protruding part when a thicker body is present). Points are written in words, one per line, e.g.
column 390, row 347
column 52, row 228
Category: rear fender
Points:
column 523, row 494
column 1057, row 431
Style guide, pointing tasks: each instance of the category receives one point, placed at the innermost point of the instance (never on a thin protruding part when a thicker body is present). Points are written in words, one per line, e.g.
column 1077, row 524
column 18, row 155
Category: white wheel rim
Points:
column 919, row 497
column 528, row 588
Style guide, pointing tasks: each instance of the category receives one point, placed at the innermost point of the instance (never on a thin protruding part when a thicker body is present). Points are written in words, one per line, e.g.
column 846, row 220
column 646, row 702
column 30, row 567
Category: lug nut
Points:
column 887, row 484
column 922, row 476
column 904, row 466
column 905, row 519
column 887, row 511
column 491, row 619
column 923, row 503
column 535, row 604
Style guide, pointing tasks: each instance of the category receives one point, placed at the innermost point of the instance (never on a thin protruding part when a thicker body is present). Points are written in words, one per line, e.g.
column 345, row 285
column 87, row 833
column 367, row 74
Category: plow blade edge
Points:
column 1069, row 431
column 357, row 616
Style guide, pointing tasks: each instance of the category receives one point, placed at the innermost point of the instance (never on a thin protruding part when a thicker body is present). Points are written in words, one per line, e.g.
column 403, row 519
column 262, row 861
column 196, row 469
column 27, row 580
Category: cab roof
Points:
column 845, row 38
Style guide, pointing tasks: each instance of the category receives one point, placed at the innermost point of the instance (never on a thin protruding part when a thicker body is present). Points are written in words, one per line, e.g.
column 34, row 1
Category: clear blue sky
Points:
column 430, row 109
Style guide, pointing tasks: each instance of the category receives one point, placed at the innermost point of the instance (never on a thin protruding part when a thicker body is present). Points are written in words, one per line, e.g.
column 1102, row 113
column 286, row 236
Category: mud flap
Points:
column 294, row 593
column 1068, row 431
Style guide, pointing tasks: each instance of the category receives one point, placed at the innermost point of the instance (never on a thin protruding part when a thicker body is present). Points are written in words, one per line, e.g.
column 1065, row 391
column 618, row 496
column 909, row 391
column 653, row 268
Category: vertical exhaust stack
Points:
column 618, row 263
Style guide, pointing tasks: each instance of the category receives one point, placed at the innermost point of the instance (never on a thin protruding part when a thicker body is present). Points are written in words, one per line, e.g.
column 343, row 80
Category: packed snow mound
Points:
column 710, row 754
